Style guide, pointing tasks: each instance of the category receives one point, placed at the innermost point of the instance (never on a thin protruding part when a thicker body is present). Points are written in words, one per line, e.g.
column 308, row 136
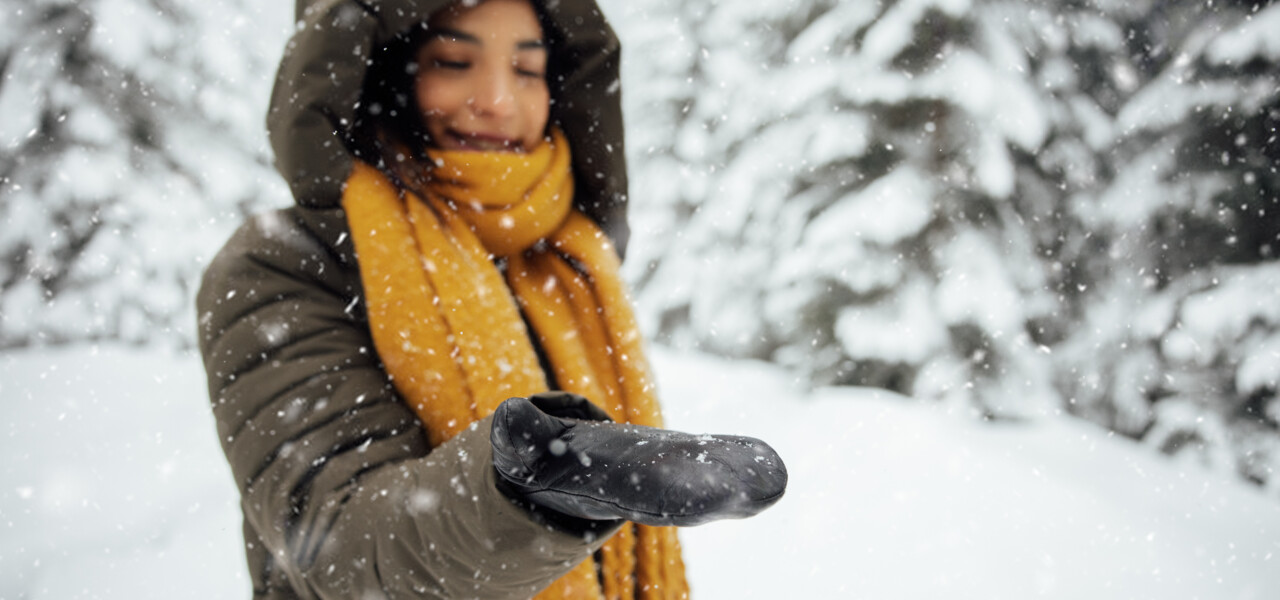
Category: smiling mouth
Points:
column 483, row 142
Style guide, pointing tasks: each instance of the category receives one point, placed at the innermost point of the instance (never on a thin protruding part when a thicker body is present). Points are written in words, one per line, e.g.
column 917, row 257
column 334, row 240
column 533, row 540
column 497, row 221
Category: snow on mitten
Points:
column 602, row 470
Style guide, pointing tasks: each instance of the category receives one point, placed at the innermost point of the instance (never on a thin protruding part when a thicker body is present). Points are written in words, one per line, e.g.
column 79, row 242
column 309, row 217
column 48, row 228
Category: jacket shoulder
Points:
column 293, row 252
column 294, row 239
column 296, row 244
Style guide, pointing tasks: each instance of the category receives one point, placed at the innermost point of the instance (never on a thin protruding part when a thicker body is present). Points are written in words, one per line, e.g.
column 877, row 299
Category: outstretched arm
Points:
column 336, row 477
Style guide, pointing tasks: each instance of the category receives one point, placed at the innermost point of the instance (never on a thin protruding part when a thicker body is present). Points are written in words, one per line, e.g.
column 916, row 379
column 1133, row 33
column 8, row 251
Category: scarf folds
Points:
column 448, row 324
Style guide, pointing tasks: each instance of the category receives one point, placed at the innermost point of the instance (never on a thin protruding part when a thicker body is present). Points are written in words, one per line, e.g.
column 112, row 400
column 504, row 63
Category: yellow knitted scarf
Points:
column 448, row 326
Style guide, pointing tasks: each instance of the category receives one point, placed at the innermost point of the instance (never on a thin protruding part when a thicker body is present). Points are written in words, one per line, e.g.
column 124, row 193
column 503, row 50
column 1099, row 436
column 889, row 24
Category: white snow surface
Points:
column 114, row 487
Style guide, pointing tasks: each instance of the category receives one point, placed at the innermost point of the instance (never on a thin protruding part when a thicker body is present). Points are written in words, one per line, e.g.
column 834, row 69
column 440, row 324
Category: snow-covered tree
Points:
column 1178, row 335
column 133, row 140
column 1017, row 206
column 848, row 169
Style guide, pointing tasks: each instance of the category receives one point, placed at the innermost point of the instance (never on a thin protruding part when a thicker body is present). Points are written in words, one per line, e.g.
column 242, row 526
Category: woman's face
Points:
column 481, row 82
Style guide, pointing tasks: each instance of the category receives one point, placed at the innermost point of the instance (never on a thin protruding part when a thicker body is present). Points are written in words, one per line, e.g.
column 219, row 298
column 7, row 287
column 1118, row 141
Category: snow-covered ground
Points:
column 113, row 486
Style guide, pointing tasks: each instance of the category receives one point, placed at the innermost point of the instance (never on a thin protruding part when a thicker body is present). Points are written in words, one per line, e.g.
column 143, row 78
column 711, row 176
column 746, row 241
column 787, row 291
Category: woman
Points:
column 382, row 356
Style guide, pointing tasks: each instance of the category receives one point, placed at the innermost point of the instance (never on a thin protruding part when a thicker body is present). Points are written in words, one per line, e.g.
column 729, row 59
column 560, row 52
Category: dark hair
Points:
column 389, row 132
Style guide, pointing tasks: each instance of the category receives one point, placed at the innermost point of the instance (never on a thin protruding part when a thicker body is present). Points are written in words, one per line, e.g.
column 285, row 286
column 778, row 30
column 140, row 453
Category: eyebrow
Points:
column 462, row 36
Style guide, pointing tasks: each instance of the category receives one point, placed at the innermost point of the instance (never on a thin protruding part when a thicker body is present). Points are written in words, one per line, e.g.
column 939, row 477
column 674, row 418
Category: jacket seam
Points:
column 275, row 453
column 301, row 383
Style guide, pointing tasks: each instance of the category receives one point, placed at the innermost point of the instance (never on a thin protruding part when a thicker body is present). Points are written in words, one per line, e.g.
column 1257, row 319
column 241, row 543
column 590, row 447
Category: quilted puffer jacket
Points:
column 342, row 495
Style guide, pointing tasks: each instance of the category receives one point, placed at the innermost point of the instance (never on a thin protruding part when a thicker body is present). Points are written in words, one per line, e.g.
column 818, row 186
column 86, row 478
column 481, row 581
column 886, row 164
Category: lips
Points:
column 480, row 142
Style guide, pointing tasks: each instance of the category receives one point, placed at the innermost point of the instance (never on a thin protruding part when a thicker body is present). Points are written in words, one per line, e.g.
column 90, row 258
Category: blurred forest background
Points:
column 1022, row 209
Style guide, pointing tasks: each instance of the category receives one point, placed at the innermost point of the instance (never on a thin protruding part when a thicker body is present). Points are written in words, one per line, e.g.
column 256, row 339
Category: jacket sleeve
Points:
column 334, row 471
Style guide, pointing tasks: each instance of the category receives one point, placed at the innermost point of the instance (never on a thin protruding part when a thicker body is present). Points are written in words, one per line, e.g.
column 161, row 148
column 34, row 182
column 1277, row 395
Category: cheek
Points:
column 438, row 98
column 537, row 109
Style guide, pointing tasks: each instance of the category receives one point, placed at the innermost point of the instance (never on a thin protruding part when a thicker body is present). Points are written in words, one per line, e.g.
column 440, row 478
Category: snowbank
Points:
column 115, row 487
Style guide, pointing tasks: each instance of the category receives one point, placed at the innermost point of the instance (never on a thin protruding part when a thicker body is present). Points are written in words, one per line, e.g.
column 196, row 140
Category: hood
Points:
column 317, row 88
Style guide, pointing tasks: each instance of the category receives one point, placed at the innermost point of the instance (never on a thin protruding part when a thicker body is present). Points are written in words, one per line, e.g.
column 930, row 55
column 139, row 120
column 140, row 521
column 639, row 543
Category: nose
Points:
column 494, row 94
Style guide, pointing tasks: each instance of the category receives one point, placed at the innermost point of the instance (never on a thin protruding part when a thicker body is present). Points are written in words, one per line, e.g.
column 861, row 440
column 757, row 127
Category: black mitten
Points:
column 604, row 470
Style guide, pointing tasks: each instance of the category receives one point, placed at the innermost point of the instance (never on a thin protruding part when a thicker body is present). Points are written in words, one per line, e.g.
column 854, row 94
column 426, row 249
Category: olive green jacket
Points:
column 342, row 495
